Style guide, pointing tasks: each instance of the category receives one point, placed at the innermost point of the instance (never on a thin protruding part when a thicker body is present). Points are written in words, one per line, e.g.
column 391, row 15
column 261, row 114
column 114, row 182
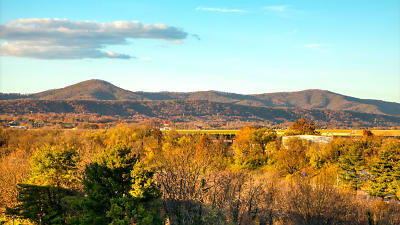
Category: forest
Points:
column 140, row 175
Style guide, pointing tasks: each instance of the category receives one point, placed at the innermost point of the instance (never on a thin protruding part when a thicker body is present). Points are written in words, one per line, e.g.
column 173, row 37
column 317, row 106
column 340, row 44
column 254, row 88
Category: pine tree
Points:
column 385, row 172
column 42, row 204
column 119, row 191
column 139, row 206
column 352, row 167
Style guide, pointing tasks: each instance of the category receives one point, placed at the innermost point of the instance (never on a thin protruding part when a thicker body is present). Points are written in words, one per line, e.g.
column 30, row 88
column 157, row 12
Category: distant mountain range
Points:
column 199, row 111
column 307, row 99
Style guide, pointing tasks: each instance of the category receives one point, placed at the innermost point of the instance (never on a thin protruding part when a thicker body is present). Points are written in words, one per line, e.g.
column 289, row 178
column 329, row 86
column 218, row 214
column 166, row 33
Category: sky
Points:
column 248, row 47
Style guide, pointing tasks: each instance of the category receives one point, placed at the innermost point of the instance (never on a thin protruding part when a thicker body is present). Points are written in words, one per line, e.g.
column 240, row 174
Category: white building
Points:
column 311, row 138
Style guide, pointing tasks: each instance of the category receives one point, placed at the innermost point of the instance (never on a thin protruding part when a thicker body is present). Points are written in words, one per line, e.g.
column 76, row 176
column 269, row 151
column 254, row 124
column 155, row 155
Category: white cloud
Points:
column 222, row 10
column 146, row 58
column 64, row 39
column 36, row 50
column 313, row 45
column 284, row 11
column 277, row 8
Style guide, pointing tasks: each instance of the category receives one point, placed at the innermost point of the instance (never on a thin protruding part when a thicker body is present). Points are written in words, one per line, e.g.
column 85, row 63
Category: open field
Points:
column 223, row 132
column 344, row 133
column 386, row 133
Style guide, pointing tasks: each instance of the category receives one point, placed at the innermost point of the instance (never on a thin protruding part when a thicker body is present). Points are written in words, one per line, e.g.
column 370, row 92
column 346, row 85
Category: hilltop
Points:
column 87, row 90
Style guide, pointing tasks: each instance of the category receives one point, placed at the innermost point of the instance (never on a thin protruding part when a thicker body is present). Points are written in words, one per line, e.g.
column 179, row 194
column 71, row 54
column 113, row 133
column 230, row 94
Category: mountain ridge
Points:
column 96, row 89
column 199, row 111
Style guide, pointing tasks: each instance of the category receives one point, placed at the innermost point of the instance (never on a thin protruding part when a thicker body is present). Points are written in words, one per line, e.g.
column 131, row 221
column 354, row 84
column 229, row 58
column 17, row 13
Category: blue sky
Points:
column 348, row 47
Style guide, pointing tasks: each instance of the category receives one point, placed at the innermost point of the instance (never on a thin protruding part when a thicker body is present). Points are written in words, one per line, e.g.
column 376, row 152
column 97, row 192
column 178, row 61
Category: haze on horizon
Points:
column 351, row 48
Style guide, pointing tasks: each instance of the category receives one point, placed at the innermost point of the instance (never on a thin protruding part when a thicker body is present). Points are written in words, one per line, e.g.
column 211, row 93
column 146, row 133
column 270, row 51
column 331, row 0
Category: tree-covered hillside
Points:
column 198, row 110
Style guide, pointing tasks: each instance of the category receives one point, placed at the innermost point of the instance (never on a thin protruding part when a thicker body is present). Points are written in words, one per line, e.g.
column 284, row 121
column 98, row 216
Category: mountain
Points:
column 198, row 110
column 307, row 99
column 320, row 99
column 88, row 90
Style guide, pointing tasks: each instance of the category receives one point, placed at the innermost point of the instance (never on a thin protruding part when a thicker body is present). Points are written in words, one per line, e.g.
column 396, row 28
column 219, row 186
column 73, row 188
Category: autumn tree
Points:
column 186, row 168
column 53, row 165
column 307, row 203
column 293, row 158
column 244, row 198
column 367, row 133
column 14, row 168
column 143, row 141
column 302, row 126
column 4, row 136
column 250, row 146
column 383, row 212
column 16, row 155
column 263, row 136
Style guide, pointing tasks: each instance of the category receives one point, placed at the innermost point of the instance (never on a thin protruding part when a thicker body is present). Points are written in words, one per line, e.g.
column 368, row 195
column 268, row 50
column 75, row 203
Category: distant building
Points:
column 19, row 127
column 13, row 124
column 310, row 138
column 166, row 125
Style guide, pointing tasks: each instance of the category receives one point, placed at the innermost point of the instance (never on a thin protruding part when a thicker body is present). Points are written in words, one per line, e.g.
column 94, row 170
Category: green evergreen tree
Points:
column 42, row 204
column 352, row 166
column 385, row 172
column 100, row 185
column 118, row 191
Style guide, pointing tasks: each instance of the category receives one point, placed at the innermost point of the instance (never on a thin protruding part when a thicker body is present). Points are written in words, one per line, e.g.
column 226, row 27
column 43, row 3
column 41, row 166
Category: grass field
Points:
column 391, row 133
column 345, row 133
column 223, row 132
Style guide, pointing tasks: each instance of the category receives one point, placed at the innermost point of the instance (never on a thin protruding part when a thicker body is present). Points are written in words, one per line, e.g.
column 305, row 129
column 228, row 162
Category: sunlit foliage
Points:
column 139, row 175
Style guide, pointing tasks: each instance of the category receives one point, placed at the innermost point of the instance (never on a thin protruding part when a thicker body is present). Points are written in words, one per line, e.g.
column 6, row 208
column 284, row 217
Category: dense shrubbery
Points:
column 138, row 175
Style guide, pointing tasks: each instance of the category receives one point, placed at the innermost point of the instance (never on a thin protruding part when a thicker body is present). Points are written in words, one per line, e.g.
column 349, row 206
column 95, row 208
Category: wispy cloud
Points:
column 146, row 58
column 196, row 36
column 312, row 45
column 277, row 8
column 222, row 10
column 65, row 39
column 285, row 11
